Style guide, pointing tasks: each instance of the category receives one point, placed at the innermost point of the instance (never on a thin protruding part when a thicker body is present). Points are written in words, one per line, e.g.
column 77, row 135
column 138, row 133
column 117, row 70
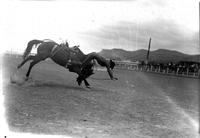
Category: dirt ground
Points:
column 138, row 105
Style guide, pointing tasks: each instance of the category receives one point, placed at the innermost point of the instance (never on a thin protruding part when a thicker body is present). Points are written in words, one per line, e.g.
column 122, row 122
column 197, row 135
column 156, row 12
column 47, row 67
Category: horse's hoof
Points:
column 88, row 87
column 18, row 66
column 26, row 78
column 79, row 83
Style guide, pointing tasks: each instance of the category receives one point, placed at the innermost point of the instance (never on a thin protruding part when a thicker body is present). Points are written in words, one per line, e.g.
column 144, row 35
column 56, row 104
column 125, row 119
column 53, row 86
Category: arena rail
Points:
column 137, row 66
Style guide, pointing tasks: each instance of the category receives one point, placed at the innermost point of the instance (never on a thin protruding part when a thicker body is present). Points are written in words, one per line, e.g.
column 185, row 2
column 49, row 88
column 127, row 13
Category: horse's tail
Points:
column 30, row 46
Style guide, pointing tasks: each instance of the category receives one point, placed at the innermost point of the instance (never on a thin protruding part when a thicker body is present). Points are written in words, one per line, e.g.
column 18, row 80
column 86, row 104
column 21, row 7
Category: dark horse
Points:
column 71, row 58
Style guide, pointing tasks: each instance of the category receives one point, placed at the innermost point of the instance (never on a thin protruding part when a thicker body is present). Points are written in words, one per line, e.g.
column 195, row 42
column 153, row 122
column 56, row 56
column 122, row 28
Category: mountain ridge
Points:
column 159, row 55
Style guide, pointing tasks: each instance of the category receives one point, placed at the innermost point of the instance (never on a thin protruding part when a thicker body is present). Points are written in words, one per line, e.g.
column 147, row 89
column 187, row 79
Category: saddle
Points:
column 65, row 47
column 57, row 48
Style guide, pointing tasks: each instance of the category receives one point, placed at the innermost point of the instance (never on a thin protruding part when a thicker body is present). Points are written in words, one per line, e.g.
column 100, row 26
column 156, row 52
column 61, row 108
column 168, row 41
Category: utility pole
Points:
column 147, row 58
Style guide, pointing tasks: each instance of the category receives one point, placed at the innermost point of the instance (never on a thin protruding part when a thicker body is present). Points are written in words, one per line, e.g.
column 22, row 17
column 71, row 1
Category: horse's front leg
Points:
column 80, row 79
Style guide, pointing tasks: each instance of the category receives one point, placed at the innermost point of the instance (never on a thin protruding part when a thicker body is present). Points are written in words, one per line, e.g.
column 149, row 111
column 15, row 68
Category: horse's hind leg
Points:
column 36, row 60
column 24, row 61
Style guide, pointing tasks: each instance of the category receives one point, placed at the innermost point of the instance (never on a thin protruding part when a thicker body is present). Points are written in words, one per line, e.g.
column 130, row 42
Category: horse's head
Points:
column 78, row 54
column 77, row 50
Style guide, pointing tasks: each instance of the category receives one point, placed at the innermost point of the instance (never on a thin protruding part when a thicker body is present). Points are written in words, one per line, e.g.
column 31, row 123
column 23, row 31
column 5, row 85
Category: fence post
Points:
column 167, row 70
column 198, row 73
column 188, row 71
column 159, row 68
column 177, row 69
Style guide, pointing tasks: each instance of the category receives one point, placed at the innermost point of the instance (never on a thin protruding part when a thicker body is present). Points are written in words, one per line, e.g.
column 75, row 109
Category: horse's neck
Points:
column 82, row 56
column 81, row 53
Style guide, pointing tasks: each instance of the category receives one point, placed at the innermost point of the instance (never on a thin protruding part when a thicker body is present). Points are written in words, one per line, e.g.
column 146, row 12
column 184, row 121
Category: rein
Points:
column 53, row 52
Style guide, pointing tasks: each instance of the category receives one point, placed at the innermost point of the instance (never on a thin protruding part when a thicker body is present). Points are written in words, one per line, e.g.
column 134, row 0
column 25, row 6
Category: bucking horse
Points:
column 71, row 58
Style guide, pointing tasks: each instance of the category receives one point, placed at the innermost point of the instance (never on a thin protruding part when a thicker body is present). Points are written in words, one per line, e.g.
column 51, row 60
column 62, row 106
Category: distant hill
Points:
column 160, row 55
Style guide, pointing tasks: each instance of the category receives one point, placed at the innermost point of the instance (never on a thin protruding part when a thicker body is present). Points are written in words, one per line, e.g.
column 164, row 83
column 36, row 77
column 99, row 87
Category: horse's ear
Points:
column 67, row 44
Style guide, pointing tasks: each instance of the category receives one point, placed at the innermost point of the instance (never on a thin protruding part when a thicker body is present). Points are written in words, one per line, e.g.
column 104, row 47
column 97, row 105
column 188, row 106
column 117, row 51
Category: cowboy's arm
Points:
column 110, row 73
column 101, row 61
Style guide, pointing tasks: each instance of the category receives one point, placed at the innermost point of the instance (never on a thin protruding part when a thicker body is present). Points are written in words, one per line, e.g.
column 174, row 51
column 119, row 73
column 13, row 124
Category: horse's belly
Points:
column 60, row 58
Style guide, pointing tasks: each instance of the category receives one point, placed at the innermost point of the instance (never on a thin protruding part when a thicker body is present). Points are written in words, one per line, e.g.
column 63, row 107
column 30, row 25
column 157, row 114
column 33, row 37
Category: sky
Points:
column 102, row 24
